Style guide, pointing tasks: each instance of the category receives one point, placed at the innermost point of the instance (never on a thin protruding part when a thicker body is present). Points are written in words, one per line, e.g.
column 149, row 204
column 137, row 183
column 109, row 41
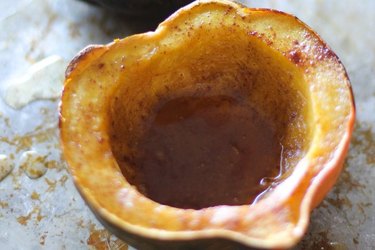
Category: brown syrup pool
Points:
column 204, row 151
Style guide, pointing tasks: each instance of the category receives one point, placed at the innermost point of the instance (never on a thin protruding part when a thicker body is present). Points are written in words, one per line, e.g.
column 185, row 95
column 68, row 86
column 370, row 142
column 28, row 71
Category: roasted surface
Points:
column 292, row 79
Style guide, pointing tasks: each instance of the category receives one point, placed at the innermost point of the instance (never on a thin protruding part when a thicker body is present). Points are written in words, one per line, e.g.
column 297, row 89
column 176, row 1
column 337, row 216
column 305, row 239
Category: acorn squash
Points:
column 264, row 60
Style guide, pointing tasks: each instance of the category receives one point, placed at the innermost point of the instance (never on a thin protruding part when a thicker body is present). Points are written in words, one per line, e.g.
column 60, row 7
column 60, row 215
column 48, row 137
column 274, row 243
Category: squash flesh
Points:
column 236, row 65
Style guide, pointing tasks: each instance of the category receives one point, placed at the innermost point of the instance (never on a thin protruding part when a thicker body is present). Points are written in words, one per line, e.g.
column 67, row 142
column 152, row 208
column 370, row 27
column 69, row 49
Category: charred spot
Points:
column 296, row 57
column 261, row 36
column 277, row 12
column 308, row 36
column 323, row 53
column 60, row 121
column 79, row 57
column 100, row 65
column 100, row 139
column 228, row 10
column 268, row 42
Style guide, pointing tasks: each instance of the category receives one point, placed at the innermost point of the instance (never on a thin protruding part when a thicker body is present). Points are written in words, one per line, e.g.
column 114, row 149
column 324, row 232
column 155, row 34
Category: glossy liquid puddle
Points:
column 205, row 151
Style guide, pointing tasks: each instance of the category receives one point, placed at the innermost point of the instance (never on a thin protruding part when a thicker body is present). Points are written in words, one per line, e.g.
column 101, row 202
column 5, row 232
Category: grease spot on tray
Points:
column 101, row 239
column 51, row 185
column 42, row 239
column 4, row 204
column 33, row 164
column 364, row 140
column 43, row 80
column 35, row 196
column 322, row 242
column 23, row 220
column 6, row 166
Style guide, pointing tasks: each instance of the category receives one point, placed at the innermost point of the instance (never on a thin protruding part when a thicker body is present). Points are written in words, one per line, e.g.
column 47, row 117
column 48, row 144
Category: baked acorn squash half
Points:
column 164, row 131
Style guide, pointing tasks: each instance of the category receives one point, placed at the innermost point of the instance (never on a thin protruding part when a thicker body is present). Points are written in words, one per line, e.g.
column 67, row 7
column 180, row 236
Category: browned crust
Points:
column 322, row 53
column 82, row 55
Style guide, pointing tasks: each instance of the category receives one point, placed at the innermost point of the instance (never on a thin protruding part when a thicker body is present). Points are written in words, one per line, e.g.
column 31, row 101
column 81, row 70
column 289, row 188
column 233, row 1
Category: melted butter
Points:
column 205, row 151
column 6, row 166
column 42, row 80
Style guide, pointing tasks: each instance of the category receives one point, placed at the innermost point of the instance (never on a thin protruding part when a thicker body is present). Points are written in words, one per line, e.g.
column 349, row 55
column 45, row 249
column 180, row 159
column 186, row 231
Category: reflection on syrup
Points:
column 205, row 151
column 269, row 183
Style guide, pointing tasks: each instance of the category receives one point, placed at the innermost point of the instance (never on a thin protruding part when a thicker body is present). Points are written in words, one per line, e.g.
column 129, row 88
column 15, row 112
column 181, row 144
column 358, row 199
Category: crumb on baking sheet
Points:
column 102, row 239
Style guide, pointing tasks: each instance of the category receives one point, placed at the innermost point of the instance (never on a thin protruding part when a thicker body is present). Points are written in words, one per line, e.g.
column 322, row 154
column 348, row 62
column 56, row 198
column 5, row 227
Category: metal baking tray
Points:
column 48, row 213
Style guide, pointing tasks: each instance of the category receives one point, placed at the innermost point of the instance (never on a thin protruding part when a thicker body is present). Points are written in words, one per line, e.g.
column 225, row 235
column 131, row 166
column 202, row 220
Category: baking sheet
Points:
column 48, row 213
